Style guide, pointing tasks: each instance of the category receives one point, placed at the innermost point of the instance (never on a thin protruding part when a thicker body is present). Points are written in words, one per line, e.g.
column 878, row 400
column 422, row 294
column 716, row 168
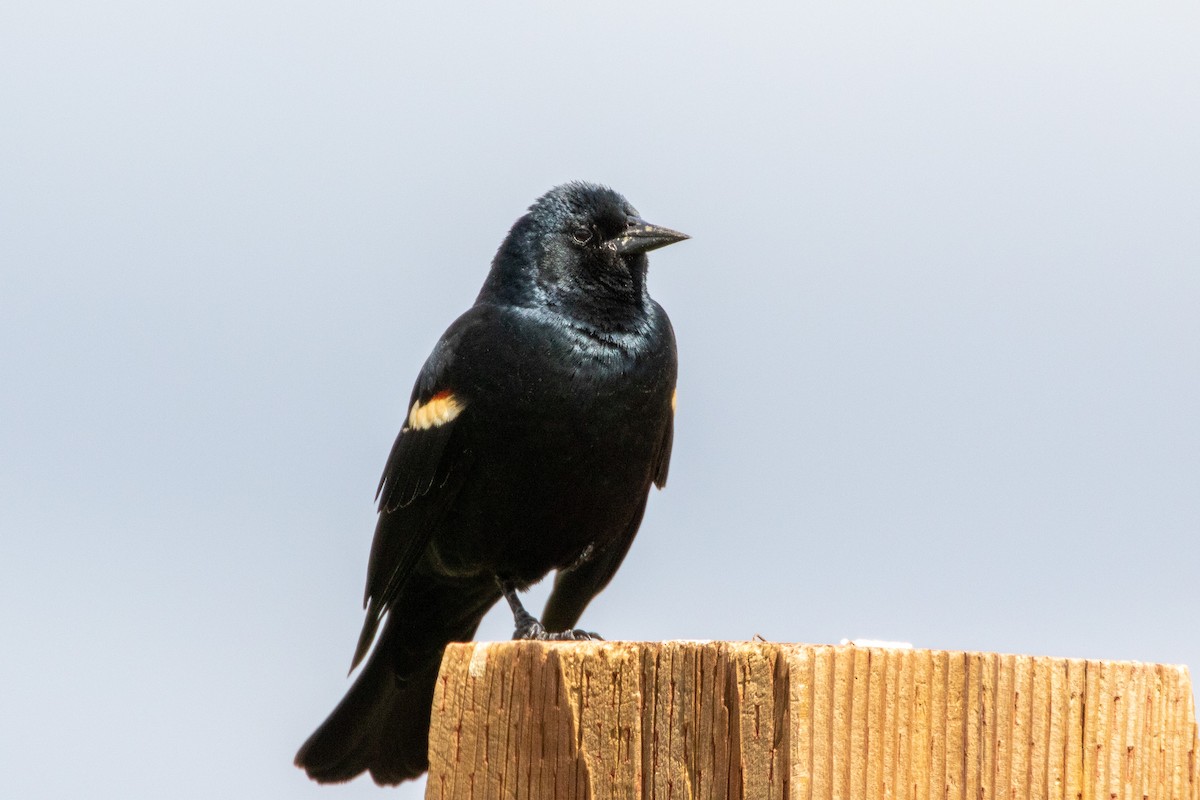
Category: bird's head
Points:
column 580, row 247
column 596, row 223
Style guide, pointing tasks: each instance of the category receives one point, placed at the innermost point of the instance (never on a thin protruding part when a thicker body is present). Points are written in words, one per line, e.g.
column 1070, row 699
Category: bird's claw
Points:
column 534, row 631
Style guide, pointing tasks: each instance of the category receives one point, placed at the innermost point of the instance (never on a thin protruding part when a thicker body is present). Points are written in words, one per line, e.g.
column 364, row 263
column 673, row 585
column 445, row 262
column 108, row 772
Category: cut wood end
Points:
column 883, row 643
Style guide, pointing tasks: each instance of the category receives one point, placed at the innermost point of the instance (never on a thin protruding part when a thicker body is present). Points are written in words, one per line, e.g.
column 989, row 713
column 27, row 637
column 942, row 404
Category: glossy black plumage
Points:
column 535, row 430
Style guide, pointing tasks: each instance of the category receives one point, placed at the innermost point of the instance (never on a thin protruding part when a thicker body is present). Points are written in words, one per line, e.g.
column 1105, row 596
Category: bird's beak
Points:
column 642, row 237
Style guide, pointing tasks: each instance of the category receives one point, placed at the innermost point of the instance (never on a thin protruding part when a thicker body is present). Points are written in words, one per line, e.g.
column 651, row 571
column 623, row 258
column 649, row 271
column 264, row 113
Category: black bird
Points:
column 534, row 432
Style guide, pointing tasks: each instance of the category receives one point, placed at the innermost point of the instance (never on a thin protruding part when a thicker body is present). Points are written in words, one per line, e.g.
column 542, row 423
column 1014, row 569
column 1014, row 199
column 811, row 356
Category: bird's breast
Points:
column 560, row 406
column 564, row 436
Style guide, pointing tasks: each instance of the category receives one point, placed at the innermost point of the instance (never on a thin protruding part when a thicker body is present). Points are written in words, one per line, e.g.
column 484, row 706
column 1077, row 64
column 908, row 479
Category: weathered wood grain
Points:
column 768, row 721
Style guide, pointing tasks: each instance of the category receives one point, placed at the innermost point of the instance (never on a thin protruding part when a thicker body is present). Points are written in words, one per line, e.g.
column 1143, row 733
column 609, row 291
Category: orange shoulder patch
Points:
column 674, row 393
column 443, row 407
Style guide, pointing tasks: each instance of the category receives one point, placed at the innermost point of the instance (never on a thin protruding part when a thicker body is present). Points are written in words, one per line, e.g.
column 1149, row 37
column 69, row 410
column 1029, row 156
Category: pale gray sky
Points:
column 939, row 332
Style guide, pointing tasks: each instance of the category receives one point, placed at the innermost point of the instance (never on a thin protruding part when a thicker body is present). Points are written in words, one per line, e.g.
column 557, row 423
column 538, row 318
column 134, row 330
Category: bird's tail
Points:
column 382, row 724
column 352, row 738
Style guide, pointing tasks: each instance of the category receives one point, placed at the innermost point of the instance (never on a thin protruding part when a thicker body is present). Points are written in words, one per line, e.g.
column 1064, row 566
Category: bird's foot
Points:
column 529, row 629
column 532, row 630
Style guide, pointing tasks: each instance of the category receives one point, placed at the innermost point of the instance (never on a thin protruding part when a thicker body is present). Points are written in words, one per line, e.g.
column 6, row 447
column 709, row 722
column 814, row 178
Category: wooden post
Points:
column 761, row 720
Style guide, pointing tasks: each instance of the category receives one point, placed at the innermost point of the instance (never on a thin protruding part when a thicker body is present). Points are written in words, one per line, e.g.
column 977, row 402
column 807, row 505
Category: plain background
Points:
column 938, row 324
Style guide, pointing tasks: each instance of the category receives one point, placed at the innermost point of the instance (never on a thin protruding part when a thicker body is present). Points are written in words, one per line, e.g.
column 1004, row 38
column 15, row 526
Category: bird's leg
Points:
column 527, row 625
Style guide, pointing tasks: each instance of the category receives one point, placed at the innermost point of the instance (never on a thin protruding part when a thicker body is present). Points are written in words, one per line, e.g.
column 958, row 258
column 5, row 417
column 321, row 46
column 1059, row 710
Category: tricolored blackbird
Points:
column 534, row 432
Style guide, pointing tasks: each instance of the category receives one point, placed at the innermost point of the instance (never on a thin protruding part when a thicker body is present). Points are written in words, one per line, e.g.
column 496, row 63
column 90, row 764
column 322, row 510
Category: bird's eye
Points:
column 582, row 235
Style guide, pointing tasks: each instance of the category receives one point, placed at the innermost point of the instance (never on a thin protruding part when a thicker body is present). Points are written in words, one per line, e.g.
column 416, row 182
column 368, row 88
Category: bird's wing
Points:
column 662, row 461
column 420, row 480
